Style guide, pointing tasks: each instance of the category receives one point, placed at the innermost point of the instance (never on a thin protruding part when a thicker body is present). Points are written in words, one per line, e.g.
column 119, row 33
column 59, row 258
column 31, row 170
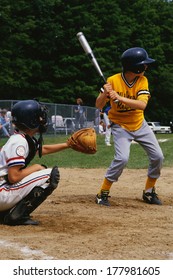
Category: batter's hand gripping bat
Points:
column 85, row 45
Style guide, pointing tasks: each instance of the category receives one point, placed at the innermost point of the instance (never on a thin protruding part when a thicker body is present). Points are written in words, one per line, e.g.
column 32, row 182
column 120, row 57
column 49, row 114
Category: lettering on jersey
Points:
column 20, row 151
column 121, row 107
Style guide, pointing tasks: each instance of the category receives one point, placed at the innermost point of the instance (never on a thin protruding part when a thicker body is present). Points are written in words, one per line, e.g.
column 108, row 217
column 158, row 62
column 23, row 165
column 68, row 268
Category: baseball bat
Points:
column 87, row 49
column 89, row 52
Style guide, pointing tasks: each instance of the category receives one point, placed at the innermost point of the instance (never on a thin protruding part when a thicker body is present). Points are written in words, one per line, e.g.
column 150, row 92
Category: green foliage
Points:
column 40, row 55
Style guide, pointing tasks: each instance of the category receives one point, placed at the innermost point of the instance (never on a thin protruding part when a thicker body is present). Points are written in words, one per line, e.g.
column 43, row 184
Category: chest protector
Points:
column 33, row 148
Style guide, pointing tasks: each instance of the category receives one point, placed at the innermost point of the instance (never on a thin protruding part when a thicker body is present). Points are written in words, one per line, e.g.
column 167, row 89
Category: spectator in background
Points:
column 171, row 126
column 4, row 123
column 8, row 115
column 102, row 127
column 79, row 111
column 105, row 111
column 97, row 120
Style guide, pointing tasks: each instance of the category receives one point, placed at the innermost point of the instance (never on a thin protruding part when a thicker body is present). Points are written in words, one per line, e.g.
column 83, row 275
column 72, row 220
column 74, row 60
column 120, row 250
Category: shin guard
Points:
column 24, row 207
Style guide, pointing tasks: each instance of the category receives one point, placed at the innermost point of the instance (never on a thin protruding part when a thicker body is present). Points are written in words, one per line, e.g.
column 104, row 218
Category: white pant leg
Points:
column 10, row 195
column 108, row 130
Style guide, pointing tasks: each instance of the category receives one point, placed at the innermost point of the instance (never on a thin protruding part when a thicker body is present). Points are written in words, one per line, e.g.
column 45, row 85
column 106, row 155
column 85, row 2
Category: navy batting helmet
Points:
column 135, row 59
column 30, row 114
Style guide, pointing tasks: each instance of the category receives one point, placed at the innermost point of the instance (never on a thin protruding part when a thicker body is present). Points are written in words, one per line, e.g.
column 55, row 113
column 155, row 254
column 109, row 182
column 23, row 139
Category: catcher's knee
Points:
column 26, row 206
column 53, row 181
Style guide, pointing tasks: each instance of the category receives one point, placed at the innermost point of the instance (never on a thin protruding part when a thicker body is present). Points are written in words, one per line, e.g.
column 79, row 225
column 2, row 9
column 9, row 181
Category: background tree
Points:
column 41, row 57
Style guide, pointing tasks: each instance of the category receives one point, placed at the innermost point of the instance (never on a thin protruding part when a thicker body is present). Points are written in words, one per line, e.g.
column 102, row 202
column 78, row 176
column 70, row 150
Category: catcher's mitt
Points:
column 83, row 140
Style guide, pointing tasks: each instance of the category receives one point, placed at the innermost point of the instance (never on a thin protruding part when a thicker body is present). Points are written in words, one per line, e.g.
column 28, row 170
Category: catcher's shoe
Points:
column 25, row 221
column 151, row 198
column 102, row 199
column 29, row 222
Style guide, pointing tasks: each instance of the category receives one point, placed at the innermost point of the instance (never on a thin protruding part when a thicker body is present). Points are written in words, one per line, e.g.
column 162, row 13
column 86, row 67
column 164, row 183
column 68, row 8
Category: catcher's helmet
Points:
column 30, row 114
column 135, row 59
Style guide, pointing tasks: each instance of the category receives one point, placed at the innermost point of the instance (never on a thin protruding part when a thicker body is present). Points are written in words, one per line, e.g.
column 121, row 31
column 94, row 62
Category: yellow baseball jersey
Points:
column 126, row 117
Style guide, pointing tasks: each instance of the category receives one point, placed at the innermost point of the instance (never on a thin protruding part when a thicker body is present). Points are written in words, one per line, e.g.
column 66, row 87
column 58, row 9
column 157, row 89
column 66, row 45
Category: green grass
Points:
column 102, row 159
column 104, row 155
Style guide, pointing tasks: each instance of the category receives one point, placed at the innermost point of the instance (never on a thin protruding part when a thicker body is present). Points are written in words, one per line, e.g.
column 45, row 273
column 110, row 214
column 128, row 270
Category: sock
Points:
column 106, row 185
column 150, row 183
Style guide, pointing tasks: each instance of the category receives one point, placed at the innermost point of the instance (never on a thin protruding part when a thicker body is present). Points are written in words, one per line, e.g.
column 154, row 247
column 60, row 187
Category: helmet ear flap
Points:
column 138, row 69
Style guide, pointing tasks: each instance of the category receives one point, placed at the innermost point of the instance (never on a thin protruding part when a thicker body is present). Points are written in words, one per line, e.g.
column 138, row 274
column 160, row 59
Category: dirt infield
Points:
column 72, row 226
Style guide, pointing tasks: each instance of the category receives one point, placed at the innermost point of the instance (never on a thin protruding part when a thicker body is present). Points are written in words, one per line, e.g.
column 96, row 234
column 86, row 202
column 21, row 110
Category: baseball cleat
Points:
column 29, row 222
column 25, row 221
column 102, row 199
column 151, row 198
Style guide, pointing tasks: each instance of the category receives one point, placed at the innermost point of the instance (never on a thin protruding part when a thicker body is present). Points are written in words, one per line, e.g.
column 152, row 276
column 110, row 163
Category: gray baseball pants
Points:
column 122, row 141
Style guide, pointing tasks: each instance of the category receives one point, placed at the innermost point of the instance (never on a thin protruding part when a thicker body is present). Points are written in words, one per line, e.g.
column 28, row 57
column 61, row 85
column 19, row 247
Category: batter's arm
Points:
column 101, row 101
column 132, row 103
column 103, row 96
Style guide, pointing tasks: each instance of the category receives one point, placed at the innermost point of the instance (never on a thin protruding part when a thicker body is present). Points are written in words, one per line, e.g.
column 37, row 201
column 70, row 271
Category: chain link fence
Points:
column 62, row 118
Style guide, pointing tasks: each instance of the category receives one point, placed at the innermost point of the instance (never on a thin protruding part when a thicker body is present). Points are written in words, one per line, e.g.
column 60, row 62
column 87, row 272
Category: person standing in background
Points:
column 105, row 111
column 79, row 114
column 4, row 123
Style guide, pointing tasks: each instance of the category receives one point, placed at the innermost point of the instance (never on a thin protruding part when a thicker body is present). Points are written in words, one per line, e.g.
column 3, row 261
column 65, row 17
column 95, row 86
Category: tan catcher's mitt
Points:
column 83, row 140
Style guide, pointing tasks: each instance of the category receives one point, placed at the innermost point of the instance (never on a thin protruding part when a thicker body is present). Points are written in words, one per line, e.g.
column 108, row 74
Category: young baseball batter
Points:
column 130, row 91
column 24, row 187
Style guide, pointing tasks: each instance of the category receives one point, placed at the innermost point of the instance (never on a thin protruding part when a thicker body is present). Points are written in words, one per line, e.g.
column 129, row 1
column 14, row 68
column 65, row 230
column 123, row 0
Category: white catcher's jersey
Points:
column 14, row 152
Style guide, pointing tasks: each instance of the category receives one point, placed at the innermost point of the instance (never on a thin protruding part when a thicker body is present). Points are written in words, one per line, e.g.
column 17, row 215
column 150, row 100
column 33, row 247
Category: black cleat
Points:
column 29, row 222
column 102, row 199
column 26, row 221
column 151, row 198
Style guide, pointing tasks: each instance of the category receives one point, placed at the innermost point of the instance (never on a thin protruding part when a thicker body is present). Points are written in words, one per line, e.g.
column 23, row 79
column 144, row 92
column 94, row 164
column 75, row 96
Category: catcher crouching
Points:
column 23, row 187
